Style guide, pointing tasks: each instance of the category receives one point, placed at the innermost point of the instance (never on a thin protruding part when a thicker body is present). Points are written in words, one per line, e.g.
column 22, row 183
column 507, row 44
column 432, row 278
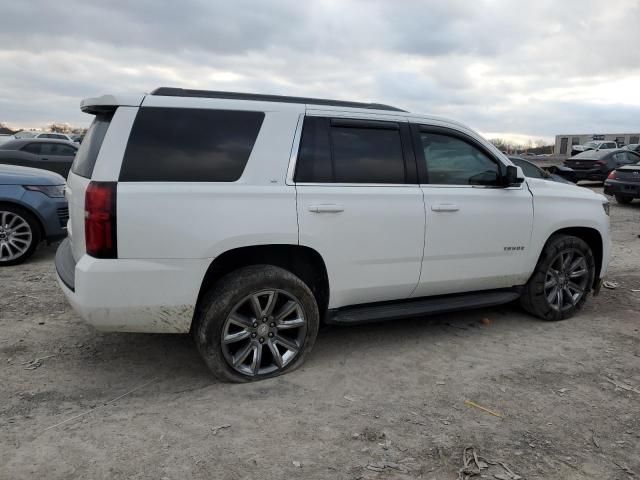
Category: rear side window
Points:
column 189, row 145
column 350, row 151
column 32, row 148
column 88, row 152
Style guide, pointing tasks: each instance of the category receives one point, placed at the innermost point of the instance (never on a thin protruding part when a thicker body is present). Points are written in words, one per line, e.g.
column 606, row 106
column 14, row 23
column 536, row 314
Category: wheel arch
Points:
column 304, row 262
column 591, row 237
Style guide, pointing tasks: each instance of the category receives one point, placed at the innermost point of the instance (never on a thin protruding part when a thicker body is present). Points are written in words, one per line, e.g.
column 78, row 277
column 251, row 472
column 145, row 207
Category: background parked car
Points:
column 597, row 164
column 50, row 135
column 32, row 209
column 77, row 138
column 54, row 155
column 624, row 183
column 531, row 170
column 593, row 145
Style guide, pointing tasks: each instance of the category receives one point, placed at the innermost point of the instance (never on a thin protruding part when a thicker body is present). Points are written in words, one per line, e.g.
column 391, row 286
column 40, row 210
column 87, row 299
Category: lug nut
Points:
column 261, row 339
column 255, row 324
column 271, row 334
column 264, row 320
column 253, row 335
column 272, row 324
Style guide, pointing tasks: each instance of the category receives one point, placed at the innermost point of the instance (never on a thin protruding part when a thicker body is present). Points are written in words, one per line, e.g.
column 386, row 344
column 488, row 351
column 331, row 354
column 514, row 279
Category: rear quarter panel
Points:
column 204, row 219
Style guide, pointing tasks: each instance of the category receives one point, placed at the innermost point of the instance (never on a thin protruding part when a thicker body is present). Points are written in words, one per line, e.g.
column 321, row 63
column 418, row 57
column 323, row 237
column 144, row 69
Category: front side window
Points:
column 350, row 151
column 528, row 169
column 189, row 145
column 453, row 161
column 65, row 150
column 48, row 149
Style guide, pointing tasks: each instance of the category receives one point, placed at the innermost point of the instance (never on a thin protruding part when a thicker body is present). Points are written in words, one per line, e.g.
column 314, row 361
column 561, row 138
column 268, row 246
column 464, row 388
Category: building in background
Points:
column 565, row 142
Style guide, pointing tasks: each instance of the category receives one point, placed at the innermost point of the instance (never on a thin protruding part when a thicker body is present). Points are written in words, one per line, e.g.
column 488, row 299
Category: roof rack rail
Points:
column 182, row 92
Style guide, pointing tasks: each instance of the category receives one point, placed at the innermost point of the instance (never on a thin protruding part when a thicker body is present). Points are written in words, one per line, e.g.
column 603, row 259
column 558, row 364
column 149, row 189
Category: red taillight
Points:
column 100, row 220
column 612, row 175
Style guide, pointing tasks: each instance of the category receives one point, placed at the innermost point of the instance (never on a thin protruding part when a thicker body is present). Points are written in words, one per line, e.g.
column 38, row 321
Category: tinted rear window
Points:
column 88, row 152
column 339, row 152
column 189, row 145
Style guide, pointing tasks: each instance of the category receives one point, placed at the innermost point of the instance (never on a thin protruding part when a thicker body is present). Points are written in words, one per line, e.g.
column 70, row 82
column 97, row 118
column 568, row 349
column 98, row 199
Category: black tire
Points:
column 623, row 199
column 533, row 298
column 225, row 295
column 34, row 227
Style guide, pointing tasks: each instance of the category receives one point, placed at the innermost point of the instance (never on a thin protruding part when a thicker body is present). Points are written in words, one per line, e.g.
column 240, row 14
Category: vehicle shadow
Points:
column 175, row 357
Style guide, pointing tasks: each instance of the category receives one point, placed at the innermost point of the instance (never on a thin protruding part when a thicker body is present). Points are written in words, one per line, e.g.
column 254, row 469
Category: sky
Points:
column 508, row 68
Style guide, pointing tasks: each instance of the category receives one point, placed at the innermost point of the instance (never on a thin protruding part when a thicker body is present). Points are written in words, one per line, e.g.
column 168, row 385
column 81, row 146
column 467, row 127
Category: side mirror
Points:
column 514, row 176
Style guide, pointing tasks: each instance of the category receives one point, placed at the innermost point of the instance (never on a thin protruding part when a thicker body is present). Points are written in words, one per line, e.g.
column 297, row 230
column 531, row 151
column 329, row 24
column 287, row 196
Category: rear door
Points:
column 359, row 204
column 477, row 232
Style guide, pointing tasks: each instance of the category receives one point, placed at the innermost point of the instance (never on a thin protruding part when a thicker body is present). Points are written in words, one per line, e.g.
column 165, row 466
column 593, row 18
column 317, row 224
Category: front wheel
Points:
column 562, row 279
column 19, row 235
column 257, row 322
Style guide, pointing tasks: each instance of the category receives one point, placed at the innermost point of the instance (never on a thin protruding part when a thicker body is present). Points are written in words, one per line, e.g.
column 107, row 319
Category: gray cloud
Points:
column 508, row 66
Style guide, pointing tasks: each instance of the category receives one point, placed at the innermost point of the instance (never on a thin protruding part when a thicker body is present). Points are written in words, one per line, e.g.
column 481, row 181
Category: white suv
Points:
column 250, row 219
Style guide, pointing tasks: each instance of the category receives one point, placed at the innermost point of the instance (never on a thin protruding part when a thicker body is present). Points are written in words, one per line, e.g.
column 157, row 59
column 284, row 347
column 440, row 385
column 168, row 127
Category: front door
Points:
column 360, row 207
column 477, row 233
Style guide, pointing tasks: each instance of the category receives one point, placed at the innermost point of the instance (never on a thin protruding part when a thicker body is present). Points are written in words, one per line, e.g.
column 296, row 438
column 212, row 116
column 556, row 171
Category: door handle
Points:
column 445, row 207
column 326, row 208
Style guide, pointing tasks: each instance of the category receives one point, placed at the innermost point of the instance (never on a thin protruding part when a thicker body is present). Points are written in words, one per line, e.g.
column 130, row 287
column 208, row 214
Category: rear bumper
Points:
column 122, row 295
column 595, row 175
column 628, row 189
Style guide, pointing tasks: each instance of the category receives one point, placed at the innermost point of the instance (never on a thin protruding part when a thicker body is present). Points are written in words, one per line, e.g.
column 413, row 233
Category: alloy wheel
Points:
column 566, row 279
column 15, row 236
column 264, row 332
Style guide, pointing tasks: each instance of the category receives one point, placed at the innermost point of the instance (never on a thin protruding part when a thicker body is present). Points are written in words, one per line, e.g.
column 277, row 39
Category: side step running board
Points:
column 377, row 312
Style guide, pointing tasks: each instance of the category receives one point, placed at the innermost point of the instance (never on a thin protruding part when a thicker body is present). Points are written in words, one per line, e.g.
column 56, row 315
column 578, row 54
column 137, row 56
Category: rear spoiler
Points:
column 108, row 103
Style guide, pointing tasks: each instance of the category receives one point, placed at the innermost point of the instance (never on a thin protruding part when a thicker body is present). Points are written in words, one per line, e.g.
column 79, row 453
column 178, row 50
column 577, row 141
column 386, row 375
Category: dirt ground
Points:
column 374, row 401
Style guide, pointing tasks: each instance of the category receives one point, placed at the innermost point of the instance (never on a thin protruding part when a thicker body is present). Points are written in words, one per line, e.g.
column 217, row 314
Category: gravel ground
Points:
column 376, row 401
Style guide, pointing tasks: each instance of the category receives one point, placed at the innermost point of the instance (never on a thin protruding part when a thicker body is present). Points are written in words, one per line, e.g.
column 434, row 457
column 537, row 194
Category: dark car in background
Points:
column 597, row 164
column 624, row 183
column 556, row 174
column 32, row 209
column 48, row 154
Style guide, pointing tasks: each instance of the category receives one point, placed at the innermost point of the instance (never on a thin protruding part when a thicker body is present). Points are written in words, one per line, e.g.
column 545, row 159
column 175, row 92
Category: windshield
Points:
column 592, row 144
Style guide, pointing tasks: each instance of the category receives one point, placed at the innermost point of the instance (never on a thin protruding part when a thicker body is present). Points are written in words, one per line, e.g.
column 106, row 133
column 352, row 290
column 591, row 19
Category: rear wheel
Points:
column 624, row 199
column 19, row 235
column 562, row 279
column 257, row 322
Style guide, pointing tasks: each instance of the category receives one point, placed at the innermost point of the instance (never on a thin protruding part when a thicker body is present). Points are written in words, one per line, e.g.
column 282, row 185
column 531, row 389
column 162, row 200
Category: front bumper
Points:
column 126, row 295
column 53, row 213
